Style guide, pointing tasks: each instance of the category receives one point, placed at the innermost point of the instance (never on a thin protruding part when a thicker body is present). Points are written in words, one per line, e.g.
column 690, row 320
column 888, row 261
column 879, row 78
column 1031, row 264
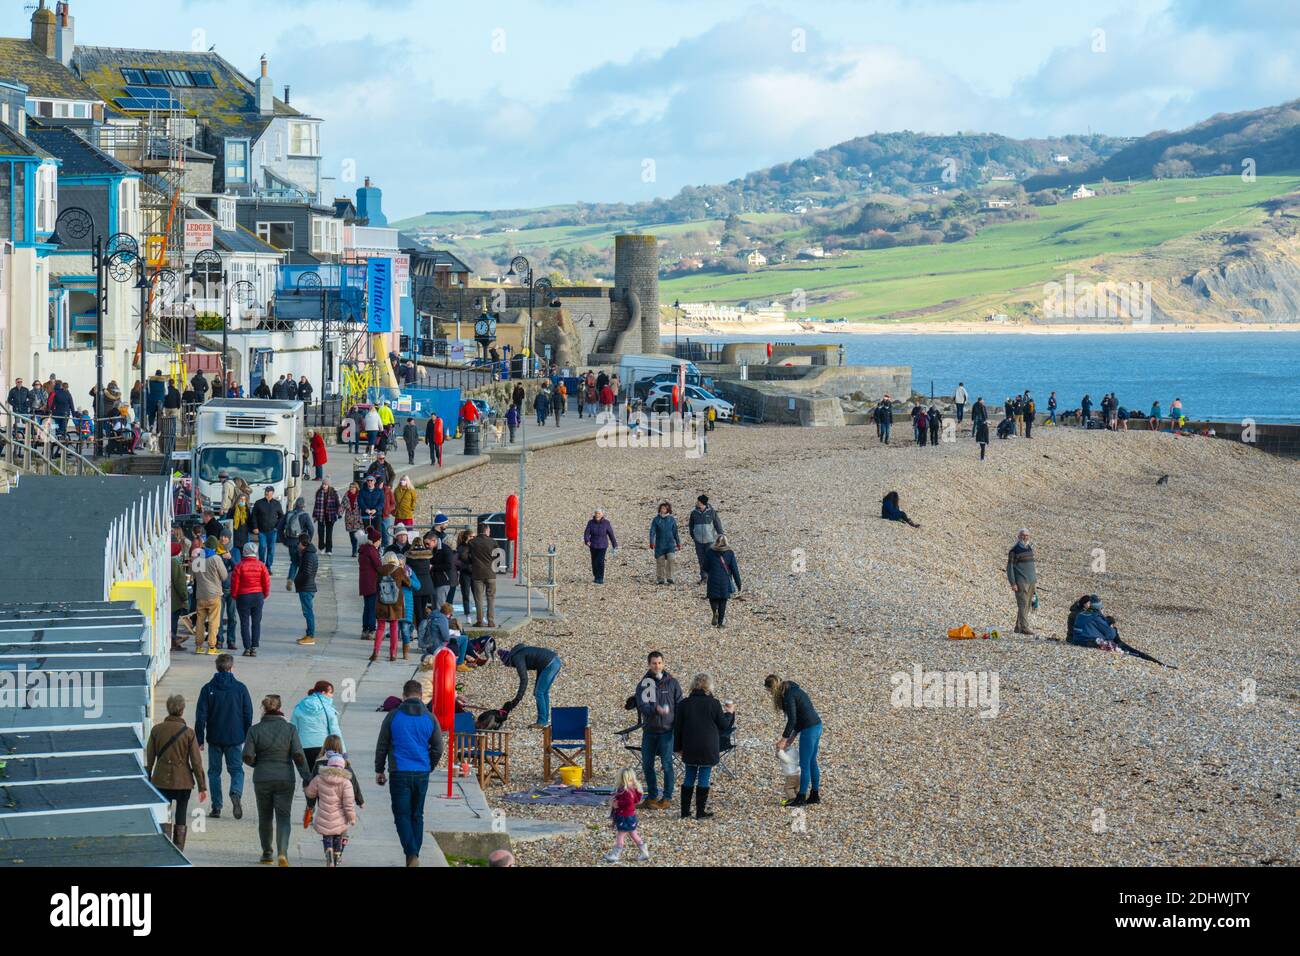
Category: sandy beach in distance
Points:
column 964, row 328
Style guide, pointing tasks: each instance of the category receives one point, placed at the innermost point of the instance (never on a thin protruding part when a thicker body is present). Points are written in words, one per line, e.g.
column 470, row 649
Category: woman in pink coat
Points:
column 336, row 807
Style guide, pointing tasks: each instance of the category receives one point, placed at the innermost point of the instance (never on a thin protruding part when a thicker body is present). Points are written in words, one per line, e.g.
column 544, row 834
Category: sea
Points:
column 1220, row 376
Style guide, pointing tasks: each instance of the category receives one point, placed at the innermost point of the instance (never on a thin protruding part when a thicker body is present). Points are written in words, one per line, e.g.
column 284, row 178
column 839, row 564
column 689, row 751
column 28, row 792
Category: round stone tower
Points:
column 636, row 271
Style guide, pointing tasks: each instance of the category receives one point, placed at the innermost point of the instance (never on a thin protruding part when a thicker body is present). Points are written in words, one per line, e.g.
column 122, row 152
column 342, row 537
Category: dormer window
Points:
column 226, row 214
column 47, row 197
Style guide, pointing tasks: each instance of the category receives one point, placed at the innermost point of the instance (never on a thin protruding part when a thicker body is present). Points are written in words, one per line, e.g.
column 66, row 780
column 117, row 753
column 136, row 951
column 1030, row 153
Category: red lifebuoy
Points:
column 512, row 518
column 437, row 431
column 443, row 704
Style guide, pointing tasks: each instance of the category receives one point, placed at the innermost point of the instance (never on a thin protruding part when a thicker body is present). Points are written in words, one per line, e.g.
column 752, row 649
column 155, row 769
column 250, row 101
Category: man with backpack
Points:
column 704, row 526
column 1028, row 410
column 296, row 523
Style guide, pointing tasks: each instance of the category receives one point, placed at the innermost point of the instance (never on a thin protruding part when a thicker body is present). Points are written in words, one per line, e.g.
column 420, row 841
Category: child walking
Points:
column 623, row 815
column 336, row 808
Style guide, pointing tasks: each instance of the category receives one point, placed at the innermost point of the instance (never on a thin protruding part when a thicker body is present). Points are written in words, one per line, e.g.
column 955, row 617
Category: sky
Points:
column 498, row 104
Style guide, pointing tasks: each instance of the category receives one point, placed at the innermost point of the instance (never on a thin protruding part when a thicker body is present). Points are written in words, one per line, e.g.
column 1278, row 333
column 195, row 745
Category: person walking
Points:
column 701, row 722
column 209, row 573
column 934, row 419
column 443, row 573
column 959, row 398
column 304, row 582
column 1023, row 578
column 226, row 554
column 483, row 573
column 979, row 412
column 221, row 722
column 390, row 605
column 315, row 720
column 722, row 571
column 1051, row 408
column 433, row 435
column 332, row 790
column 464, row 572
column 622, row 816
column 665, row 542
column 369, row 564
column 404, row 500
column 267, row 514
column 704, row 526
column 274, row 750
column 546, row 663
column 801, row 723
column 1030, row 411
column 598, row 536
column 352, row 523
column 372, row 425
column 884, row 416
column 922, row 426
column 512, row 420
column 370, row 504
column 250, row 586
column 410, row 438
column 656, row 698
column 325, row 511
column 982, row 436
column 408, row 750
column 1085, row 410
column 296, row 523
column 542, row 405
column 174, row 763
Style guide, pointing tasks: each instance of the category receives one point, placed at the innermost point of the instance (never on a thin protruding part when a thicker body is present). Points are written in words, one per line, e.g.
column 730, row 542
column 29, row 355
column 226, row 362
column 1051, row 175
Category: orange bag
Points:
column 961, row 633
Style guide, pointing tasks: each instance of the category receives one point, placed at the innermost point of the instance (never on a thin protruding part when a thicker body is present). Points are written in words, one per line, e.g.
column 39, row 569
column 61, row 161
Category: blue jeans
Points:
column 293, row 562
column 266, row 548
column 368, row 622
column 407, row 788
column 460, row 644
column 542, row 690
column 306, row 599
column 885, row 429
column 233, row 754
column 232, row 617
column 810, row 739
column 697, row 776
column 657, row 744
column 386, row 530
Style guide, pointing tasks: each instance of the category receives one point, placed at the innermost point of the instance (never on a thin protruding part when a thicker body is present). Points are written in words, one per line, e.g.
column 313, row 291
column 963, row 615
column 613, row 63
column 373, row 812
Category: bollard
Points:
column 473, row 445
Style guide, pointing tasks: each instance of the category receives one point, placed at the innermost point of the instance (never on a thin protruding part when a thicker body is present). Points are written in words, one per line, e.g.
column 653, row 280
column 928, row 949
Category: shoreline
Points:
column 969, row 328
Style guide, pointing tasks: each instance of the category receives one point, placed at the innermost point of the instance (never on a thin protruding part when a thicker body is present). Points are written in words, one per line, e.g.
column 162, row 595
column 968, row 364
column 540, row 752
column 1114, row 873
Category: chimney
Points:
column 45, row 31
column 265, row 91
column 367, row 182
column 65, row 41
column 286, row 94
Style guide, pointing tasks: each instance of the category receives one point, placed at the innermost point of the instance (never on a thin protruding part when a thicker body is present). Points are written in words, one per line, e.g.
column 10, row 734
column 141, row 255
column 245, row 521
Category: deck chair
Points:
column 487, row 750
column 567, row 737
column 625, row 738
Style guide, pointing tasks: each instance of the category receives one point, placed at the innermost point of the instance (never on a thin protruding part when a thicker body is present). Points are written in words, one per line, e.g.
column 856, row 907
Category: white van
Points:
column 636, row 368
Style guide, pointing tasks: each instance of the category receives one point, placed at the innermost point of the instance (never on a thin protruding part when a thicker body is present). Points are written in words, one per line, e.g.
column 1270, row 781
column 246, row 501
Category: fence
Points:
column 137, row 548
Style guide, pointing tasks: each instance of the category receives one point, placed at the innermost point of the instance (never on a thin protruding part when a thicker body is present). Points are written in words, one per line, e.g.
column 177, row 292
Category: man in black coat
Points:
column 266, row 522
column 263, row 390
column 200, row 386
column 20, row 398
column 304, row 582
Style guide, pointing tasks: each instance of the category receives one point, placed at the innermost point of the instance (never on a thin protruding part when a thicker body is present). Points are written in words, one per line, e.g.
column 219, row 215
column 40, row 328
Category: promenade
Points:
column 339, row 656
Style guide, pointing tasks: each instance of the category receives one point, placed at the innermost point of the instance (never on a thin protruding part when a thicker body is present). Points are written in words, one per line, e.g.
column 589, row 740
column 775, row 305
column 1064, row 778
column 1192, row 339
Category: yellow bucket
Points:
column 571, row 776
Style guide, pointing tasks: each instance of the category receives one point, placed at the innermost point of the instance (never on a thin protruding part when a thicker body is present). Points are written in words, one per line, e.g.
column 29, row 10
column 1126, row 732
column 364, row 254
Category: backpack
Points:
column 389, row 592
column 1030, row 408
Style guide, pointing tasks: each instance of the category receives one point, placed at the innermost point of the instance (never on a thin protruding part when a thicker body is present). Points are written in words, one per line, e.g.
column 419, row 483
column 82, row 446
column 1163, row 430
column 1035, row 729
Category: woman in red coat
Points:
column 318, row 454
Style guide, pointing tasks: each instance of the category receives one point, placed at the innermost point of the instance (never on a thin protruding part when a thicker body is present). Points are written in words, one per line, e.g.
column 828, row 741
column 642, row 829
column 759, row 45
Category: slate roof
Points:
column 241, row 240
column 228, row 109
column 80, row 158
column 13, row 143
column 424, row 262
column 21, row 60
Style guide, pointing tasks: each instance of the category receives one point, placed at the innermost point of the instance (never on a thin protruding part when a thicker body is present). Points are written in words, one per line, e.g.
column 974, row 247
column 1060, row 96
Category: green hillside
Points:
column 1002, row 258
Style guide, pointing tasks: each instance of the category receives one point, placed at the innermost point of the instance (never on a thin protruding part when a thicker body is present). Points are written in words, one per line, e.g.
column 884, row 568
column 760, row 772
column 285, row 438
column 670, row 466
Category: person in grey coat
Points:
column 705, row 527
column 1022, row 575
column 296, row 523
column 273, row 750
column 665, row 542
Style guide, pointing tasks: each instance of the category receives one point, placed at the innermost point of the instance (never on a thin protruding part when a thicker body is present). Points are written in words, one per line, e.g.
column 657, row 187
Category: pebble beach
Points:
column 1091, row 758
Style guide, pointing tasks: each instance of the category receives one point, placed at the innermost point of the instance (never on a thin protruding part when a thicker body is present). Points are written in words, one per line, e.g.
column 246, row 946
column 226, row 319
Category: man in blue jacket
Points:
column 409, row 747
column 224, row 714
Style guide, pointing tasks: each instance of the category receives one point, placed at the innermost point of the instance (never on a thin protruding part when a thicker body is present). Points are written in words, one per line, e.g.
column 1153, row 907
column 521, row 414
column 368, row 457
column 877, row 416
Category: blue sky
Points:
column 504, row 104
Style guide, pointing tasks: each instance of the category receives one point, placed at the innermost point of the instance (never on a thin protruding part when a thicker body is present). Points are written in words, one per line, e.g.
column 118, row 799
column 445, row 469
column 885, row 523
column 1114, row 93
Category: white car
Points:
column 699, row 401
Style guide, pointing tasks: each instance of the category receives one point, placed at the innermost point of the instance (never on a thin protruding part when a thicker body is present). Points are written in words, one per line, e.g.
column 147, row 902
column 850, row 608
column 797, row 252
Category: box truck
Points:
column 259, row 440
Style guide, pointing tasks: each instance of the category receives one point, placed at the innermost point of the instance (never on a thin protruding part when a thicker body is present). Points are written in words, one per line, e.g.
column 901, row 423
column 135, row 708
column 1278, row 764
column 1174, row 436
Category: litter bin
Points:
column 473, row 443
column 359, row 466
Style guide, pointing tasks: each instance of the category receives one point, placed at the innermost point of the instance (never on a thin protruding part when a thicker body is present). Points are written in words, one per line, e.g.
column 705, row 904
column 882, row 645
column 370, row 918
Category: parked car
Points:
column 699, row 400
column 641, row 389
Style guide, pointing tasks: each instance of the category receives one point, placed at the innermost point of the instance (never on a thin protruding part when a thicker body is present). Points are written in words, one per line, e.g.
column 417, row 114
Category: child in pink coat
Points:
column 336, row 807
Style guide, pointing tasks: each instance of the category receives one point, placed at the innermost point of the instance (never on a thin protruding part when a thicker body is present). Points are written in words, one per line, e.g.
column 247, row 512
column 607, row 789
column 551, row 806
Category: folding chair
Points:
column 568, row 735
column 624, row 737
column 487, row 750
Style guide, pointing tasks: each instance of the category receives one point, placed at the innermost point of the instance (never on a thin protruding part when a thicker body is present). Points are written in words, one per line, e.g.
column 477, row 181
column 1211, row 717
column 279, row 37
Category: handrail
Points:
column 54, row 454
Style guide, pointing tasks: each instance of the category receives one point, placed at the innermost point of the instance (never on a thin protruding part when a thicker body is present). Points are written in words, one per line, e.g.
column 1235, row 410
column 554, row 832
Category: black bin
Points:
column 473, row 440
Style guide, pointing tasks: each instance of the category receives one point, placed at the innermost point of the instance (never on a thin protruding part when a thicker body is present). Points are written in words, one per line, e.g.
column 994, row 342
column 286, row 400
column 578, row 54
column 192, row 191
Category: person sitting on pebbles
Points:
column 890, row 511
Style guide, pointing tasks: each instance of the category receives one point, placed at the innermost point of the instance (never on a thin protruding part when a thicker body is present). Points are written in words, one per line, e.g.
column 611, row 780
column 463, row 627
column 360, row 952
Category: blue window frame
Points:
column 237, row 161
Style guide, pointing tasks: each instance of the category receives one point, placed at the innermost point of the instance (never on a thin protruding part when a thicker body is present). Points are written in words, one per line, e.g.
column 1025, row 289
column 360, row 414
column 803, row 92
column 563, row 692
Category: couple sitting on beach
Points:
column 1086, row 626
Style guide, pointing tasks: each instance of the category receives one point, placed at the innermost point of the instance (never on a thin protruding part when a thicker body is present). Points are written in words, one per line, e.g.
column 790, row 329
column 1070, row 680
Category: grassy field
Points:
column 1001, row 259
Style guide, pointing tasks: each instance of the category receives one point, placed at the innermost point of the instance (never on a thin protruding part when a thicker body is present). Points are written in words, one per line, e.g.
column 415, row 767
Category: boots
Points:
column 178, row 836
column 687, row 793
column 167, row 831
column 714, row 622
column 403, row 652
column 814, row 796
column 702, row 801
column 329, row 858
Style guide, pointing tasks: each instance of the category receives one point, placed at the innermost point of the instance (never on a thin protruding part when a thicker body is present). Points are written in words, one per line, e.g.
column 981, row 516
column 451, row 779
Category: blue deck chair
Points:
column 568, row 736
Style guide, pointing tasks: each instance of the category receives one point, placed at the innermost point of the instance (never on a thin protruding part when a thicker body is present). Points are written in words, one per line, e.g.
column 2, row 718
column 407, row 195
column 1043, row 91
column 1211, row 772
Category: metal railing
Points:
column 32, row 446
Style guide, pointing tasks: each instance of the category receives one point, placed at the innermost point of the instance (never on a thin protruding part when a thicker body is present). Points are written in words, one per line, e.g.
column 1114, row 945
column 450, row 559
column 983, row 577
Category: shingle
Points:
column 79, row 157
column 21, row 60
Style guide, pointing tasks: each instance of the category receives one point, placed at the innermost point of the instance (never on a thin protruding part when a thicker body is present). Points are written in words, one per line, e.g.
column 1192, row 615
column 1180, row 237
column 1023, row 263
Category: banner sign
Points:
column 379, row 295
column 198, row 236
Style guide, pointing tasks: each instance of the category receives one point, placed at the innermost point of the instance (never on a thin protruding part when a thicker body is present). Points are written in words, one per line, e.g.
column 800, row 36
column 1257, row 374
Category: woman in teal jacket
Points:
column 315, row 719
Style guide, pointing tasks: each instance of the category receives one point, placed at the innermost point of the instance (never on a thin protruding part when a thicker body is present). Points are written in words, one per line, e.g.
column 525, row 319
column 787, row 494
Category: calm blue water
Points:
column 1218, row 375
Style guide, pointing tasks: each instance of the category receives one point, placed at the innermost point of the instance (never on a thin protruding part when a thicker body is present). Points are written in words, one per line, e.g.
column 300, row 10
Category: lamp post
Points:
column 521, row 267
column 78, row 225
column 677, row 311
column 206, row 265
column 244, row 294
column 166, row 280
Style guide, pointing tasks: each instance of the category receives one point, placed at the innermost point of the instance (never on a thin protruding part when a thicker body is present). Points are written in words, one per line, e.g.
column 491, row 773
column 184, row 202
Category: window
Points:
column 133, row 76
column 155, row 78
column 47, row 197
column 237, row 161
column 202, row 78
column 81, row 110
column 128, row 207
column 255, row 464
column 226, row 214
column 4, row 113
column 278, row 234
column 326, row 235
column 302, row 139
column 179, row 78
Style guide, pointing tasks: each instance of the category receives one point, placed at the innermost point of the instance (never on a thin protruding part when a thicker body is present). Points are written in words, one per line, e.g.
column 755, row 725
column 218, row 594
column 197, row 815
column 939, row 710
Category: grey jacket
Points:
column 273, row 749
column 651, row 695
column 1020, row 565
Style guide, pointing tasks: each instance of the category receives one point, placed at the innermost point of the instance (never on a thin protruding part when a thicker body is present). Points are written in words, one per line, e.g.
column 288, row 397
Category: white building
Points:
column 1083, row 192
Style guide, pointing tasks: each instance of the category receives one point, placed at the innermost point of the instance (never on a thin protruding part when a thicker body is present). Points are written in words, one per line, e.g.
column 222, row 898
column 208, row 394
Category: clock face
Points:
column 492, row 326
column 481, row 327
